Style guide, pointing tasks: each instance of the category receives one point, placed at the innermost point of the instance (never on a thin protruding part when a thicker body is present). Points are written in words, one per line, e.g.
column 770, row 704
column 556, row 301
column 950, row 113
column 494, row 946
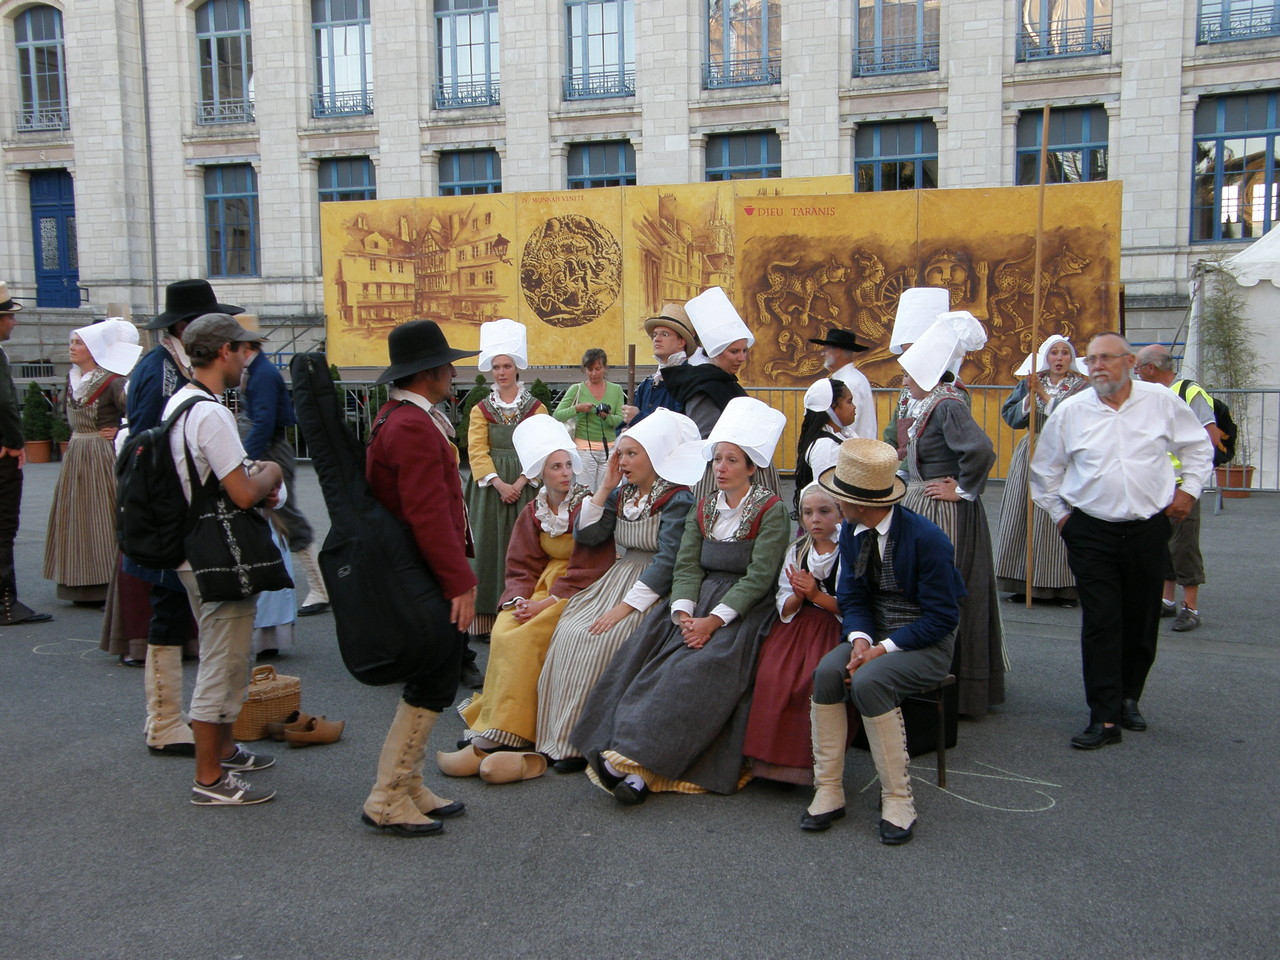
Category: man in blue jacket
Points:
column 266, row 412
column 899, row 595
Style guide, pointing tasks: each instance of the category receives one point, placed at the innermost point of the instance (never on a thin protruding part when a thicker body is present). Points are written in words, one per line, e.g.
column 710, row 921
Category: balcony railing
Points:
column 1067, row 38
column 352, row 103
column 44, row 118
column 600, row 83
column 224, row 111
column 746, row 72
column 1223, row 27
column 453, row 94
column 896, row 58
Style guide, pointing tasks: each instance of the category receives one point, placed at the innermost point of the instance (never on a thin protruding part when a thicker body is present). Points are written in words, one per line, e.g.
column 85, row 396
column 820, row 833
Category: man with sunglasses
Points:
column 1102, row 471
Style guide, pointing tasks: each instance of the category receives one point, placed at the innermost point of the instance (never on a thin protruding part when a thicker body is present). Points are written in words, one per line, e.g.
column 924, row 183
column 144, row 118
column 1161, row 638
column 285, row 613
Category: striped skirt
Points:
column 80, row 550
column 1051, row 578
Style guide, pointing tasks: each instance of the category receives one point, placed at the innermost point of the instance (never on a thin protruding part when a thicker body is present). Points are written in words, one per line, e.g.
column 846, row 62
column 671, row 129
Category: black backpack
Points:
column 151, row 509
column 1222, row 417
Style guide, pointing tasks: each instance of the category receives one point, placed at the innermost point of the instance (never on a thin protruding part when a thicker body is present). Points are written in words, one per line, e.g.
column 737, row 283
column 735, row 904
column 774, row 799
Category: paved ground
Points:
column 1163, row 847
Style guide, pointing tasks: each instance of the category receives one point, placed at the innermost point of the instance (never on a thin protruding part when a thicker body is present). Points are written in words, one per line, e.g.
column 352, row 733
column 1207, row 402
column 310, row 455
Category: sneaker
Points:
column 1187, row 619
column 242, row 760
column 230, row 791
column 1168, row 610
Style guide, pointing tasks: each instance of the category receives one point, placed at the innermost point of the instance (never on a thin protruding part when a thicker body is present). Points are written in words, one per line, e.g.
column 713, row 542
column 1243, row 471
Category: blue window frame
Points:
column 467, row 66
column 1051, row 29
column 1224, row 20
column 464, row 173
column 744, row 43
column 609, row 164
column 895, row 36
column 1235, row 192
column 231, row 220
column 344, row 58
column 601, row 49
column 42, row 70
column 902, row 155
column 1077, row 145
column 347, row 178
column 225, row 54
column 744, row 156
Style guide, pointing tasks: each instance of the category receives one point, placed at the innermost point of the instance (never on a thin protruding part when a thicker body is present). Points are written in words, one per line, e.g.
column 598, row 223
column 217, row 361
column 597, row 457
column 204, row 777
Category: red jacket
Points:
column 413, row 471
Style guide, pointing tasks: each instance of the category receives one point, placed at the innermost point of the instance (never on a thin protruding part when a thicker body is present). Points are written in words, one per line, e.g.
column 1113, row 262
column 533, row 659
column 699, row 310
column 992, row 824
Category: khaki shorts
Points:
column 1185, row 564
column 226, row 654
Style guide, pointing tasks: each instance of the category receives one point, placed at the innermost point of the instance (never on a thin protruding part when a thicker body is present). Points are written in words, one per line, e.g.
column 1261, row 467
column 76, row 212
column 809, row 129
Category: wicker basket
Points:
column 271, row 699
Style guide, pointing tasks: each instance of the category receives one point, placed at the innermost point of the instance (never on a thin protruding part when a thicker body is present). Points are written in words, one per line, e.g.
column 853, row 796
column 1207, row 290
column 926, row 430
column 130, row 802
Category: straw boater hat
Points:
column 538, row 437
column 673, row 444
column 674, row 318
column 918, row 307
column 7, row 303
column 503, row 338
column 113, row 344
column 750, row 424
column 416, row 346
column 1042, row 358
column 841, row 339
column 866, row 473
column 186, row 300
column 942, row 347
column 717, row 322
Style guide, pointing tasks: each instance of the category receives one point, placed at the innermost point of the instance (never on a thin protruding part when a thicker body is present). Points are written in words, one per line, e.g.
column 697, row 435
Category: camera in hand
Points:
column 602, row 409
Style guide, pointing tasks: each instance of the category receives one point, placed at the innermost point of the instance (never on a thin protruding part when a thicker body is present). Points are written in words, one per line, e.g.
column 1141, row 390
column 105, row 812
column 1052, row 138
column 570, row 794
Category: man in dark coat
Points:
column 412, row 467
column 13, row 458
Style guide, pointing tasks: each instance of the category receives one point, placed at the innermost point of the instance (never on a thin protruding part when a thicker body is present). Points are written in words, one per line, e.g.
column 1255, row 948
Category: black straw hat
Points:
column 186, row 300
column 842, row 339
column 416, row 346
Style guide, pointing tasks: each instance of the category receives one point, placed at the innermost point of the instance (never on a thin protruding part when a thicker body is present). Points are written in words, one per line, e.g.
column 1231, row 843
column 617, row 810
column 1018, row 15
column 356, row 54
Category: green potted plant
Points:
column 37, row 424
column 1229, row 361
column 61, row 435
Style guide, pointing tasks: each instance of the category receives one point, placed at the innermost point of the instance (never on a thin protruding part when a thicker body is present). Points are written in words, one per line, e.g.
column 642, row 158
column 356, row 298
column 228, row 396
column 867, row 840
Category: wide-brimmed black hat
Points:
column 416, row 346
column 843, row 339
column 186, row 300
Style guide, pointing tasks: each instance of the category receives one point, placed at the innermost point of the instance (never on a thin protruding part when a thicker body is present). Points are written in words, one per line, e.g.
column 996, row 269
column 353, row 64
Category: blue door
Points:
column 53, row 220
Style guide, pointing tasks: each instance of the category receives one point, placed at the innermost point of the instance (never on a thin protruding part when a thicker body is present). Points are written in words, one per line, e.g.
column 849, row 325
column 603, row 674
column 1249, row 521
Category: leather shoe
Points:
column 34, row 618
column 455, row 809
column 893, row 834
column 817, row 822
column 405, row 829
column 174, row 750
column 1130, row 718
column 133, row 662
column 1096, row 735
column 607, row 779
column 470, row 676
column 311, row 609
column 570, row 765
column 630, row 795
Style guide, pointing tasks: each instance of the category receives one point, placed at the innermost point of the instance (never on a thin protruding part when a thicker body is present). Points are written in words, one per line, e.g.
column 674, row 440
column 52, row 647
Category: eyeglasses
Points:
column 1097, row 358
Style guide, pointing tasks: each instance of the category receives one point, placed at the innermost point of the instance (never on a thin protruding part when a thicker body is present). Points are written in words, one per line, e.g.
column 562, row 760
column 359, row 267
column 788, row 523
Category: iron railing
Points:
column 744, row 72
column 353, row 103
column 595, row 84
column 913, row 57
column 224, row 111
column 43, row 118
column 1227, row 25
column 1081, row 37
column 452, row 95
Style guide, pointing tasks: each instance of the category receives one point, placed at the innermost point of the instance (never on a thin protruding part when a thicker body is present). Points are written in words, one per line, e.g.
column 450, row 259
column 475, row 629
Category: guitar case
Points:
column 391, row 615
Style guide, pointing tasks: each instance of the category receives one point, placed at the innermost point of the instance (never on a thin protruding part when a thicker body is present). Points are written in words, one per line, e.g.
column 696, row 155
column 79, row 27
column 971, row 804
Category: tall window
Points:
column 744, row 156
column 895, row 36
column 1077, row 145
column 42, row 70
column 344, row 58
column 601, row 49
column 466, row 53
column 467, row 172
column 1237, row 149
column 744, row 43
column 226, row 62
column 895, row 156
column 1064, row 28
column 610, row 164
column 231, row 220
column 347, row 178
column 1222, row 20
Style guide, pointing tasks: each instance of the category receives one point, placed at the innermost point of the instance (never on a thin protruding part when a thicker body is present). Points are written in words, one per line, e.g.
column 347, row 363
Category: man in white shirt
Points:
column 1103, row 473
column 838, row 348
column 216, row 345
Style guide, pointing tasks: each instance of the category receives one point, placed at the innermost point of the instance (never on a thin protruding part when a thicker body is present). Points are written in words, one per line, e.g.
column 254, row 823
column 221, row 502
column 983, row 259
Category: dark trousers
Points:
column 170, row 617
column 10, row 504
column 435, row 689
column 1119, row 571
column 298, row 532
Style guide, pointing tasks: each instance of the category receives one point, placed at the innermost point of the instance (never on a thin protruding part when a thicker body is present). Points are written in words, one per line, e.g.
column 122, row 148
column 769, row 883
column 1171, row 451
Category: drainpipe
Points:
column 151, row 178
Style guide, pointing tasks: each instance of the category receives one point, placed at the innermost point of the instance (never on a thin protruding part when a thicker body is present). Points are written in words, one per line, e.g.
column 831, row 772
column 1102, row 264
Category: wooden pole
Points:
column 631, row 374
column 1035, row 350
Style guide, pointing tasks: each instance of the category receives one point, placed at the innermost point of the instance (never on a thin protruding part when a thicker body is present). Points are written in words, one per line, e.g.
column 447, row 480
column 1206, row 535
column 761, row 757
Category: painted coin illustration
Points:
column 571, row 270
